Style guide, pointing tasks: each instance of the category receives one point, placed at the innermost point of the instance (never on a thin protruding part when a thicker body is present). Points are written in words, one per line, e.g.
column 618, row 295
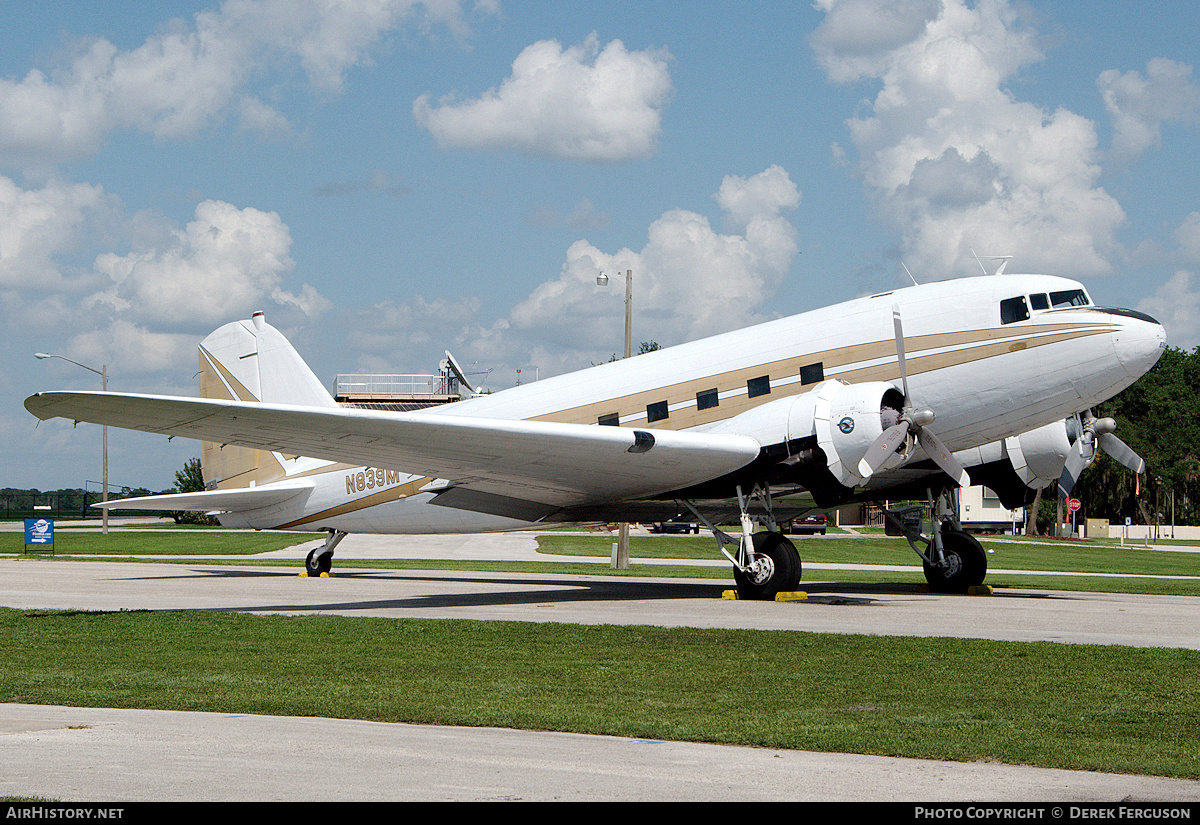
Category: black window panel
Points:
column 610, row 420
column 1013, row 310
column 1068, row 298
column 813, row 373
column 656, row 411
column 707, row 399
column 1039, row 301
column 758, row 386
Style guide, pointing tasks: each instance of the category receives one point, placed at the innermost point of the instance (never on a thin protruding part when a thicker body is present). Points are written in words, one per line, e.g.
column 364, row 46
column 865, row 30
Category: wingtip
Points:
column 34, row 403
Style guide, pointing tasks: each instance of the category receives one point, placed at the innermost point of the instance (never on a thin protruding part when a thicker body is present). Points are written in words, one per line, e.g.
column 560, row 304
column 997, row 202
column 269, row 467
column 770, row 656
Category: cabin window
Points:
column 812, row 374
column 609, row 420
column 1039, row 301
column 758, row 386
column 707, row 399
column 656, row 411
column 1013, row 310
column 1068, row 298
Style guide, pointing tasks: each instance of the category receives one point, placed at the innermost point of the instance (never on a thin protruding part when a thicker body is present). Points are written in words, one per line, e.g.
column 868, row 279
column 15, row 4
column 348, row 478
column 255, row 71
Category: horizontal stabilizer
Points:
column 227, row 501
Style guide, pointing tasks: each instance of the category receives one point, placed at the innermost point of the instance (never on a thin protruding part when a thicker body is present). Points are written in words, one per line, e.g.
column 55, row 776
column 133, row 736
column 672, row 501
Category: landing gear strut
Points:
column 320, row 560
column 767, row 562
column 952, row 559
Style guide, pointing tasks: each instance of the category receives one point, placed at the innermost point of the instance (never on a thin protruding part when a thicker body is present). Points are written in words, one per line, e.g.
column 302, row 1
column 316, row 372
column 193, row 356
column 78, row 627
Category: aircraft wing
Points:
column 232, row 501
column 548, row 464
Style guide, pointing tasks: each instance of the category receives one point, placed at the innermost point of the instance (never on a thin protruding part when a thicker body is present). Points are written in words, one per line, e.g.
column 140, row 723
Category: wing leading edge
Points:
column 559, row 465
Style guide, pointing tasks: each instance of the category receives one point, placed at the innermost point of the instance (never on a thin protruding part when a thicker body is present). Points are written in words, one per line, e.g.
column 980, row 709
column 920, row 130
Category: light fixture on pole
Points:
column 602, row 280
column 103, row 373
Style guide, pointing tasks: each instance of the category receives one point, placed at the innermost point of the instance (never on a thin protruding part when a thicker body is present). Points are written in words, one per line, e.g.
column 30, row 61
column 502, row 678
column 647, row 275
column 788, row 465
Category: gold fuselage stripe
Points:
column 376, row 498
column 965, row 348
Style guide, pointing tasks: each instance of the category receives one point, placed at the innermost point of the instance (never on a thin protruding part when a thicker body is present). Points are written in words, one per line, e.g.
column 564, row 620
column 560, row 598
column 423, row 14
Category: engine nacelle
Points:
column 846, row 421
column 1017, row 466
column 844, row 418
column 1038, row 456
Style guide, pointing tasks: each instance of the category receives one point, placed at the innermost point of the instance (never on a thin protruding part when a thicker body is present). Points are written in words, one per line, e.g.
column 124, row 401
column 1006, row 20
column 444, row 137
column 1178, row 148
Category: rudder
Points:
column 252, row 361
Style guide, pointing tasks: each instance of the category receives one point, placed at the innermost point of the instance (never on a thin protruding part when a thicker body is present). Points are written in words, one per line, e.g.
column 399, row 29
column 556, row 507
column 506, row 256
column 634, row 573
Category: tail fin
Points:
column 252, row 361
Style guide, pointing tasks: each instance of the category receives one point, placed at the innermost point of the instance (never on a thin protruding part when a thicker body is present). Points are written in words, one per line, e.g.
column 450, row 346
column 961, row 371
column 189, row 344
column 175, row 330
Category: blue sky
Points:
column 389, row 179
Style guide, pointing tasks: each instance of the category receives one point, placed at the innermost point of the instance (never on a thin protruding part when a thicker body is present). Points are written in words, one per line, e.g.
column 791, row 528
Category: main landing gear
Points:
column 320, row 560
column 766, row 563
column 952, row 558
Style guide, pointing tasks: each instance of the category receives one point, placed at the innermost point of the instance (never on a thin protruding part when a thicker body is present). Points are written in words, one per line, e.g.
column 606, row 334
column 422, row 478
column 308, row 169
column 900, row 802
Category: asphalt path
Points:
column 106, row 754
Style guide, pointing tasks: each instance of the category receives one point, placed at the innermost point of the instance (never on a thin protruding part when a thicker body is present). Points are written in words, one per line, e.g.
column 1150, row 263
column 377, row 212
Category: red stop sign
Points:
column 1073, row 504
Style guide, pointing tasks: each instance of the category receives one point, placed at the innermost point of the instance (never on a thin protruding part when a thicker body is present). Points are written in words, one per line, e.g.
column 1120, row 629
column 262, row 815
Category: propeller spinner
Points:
column 913, row 420
column 1097, row 433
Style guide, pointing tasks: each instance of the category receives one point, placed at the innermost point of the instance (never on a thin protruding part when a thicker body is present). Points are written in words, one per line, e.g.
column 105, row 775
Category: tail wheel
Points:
column 776, row 568
column 965, row 564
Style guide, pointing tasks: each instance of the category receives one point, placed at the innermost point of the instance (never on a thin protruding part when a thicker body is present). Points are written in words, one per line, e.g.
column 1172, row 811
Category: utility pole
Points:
column 602, row 280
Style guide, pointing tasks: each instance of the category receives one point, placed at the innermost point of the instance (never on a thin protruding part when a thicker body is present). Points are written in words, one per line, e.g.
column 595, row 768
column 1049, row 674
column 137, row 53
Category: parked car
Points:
column 811, row 523
column 676, row 526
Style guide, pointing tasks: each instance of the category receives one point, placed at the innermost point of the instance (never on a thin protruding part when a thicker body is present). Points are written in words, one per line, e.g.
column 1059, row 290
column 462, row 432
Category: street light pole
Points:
column 628, row 312
column 104, row 469
column 602, row 280
column 103, row 373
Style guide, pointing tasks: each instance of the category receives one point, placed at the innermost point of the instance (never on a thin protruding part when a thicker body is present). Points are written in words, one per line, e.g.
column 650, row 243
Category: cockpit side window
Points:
column 1039, row 301
column 1068, row 298
column 1013, row 310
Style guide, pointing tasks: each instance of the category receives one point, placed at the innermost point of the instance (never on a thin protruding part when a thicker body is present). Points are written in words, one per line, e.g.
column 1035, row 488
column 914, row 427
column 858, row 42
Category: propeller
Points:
column 1097, row 433
column 914, row 421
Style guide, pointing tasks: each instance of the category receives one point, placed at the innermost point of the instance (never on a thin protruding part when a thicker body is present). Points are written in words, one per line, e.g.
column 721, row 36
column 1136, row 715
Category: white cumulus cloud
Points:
column 582, row 102
column 225, row 261
column 39, row 227
column 952, row 158
column 194, row 73
column 1139, row 104
column 690, row 280
column 1176, row 305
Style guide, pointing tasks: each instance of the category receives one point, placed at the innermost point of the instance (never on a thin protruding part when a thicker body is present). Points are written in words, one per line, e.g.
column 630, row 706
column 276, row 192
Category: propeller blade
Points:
column 1074, row 465
column 899, row 327
column 943, row 457
column 1121, row 452
column 883, row 447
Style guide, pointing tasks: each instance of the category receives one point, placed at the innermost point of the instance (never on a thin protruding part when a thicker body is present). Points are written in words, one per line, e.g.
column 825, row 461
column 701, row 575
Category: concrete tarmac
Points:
column 102, row 755
column 127, row 755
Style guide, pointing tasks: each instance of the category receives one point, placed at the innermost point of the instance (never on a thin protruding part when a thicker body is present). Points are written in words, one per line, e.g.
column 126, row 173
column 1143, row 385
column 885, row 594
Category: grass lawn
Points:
column 1065, row 706
column 202, row 542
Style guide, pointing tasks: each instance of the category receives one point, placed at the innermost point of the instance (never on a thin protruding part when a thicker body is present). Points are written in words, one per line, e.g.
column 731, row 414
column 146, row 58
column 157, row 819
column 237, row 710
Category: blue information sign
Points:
column 39, row 531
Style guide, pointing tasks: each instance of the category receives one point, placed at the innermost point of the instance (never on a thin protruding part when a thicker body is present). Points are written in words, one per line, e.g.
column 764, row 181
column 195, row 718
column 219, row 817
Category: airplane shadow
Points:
column 519, row 591
column 548, row 590
column 833, row 589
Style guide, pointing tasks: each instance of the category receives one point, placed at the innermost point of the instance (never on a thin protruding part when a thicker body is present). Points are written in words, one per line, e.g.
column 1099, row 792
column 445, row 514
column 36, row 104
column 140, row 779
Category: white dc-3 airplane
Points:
column 907, row 394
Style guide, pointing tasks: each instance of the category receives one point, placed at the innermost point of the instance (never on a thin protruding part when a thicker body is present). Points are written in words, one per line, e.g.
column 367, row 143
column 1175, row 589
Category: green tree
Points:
column 190, row 479
column 1159, row 417
column 643, row 348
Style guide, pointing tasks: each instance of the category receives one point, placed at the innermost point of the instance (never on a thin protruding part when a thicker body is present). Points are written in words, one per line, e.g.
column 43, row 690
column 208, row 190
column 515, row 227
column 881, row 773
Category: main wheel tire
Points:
column 779, row 572
column 966, row 564
column 318, row 563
